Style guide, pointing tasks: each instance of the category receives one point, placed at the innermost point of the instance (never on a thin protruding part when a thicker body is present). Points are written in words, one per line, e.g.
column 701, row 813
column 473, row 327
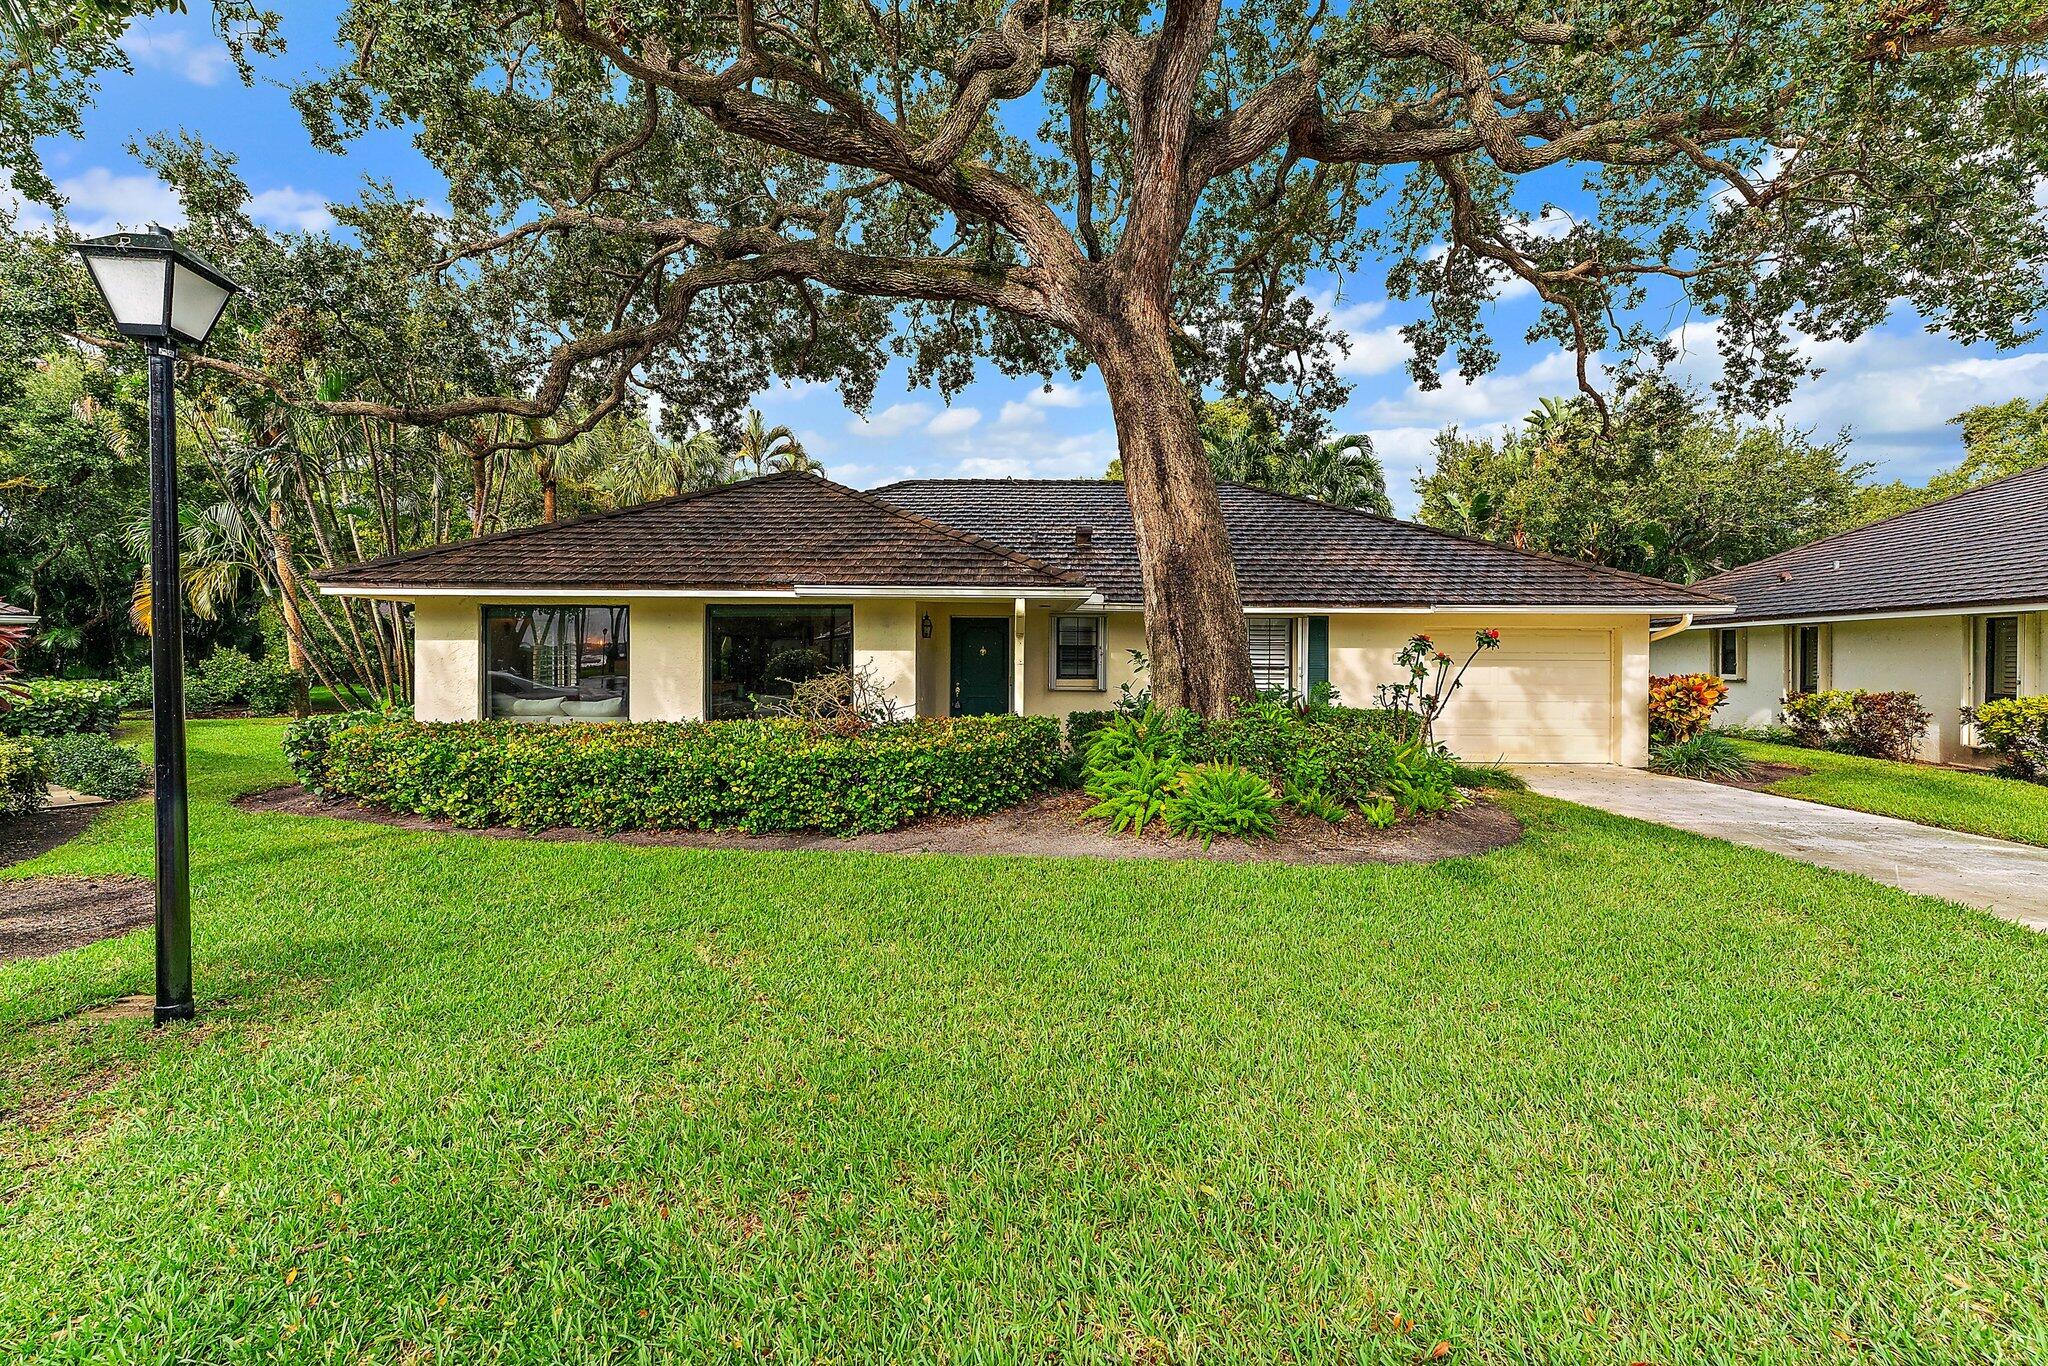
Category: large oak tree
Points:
column 695, row 197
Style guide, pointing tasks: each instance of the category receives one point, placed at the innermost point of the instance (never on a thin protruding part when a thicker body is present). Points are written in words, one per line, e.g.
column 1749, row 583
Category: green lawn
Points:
column 1615, row 1094
column 1950, row 798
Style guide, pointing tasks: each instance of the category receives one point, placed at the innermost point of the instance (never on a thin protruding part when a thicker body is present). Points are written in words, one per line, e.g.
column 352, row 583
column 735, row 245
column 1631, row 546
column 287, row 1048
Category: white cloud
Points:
column 1016, row 414
column 954, row 421
column 285, row 207
column 1896, row 389
column 1057, row 395
column 1369, row 350
column 201, row 60
column 892, row 421
column 99, row 201
column 1493, row 398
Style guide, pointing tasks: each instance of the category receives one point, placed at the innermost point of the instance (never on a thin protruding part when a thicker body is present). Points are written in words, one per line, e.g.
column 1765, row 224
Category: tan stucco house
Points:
column 1948, row 601
column 976, row 596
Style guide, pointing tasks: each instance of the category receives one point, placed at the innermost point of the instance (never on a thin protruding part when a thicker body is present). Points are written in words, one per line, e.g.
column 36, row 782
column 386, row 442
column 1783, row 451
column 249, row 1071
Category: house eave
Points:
column 1970, row 609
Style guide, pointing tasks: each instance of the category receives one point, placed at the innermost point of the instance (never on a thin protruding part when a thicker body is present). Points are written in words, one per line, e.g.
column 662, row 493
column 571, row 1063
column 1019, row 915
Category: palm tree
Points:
column 626, row 463
column 1344, row 471
column 770, row 450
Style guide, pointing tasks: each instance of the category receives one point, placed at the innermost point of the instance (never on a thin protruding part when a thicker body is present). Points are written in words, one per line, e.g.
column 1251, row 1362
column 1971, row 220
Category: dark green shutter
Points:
column 1318, row 650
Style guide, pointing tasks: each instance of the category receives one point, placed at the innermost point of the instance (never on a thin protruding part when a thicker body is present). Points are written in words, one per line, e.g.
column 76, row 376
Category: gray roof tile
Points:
column 1979, row 548
column 768, row 533
column 1290, row 551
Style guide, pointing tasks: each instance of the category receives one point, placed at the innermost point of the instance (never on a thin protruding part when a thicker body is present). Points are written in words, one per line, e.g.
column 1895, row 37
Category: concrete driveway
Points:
column 2009, row 880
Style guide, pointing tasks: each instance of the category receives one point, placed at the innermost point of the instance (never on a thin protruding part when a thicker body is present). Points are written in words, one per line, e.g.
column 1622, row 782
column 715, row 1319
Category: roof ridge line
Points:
column 965, row 537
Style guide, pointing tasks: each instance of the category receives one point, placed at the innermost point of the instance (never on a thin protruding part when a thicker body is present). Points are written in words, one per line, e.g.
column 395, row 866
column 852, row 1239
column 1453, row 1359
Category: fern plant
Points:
column 1381, row 813
column 1222, row 799
column 1313, row 801
column 1134, row 793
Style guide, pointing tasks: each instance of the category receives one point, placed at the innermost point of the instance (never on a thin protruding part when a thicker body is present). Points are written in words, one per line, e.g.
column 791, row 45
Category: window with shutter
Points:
column 2001, row 658
column 1077, row 651
column 1272, row 641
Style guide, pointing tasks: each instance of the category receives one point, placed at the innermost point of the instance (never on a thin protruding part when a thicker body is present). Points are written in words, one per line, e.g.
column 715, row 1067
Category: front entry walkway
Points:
column 2009, row 880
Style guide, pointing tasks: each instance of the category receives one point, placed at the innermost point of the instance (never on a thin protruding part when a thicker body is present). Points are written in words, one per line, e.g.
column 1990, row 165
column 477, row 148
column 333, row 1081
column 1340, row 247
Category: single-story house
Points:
column 976, row 596
column 1948, row 601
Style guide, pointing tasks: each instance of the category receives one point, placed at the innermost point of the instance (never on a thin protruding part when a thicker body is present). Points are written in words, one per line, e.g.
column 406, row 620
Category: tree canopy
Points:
column 1998, row 439
column 691, row 198
column 1674, row 488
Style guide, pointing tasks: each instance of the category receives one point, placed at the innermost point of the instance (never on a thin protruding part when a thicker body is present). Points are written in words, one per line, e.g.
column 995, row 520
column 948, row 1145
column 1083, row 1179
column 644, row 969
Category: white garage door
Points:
column 1544, row 697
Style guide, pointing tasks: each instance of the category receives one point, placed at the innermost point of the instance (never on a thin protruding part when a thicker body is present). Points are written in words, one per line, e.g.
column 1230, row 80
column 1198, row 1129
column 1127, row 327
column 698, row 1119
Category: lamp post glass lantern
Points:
column 164, row 296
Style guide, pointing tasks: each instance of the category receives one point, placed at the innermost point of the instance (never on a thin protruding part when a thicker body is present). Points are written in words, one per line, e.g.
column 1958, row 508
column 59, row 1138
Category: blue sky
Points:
column 1895, row 389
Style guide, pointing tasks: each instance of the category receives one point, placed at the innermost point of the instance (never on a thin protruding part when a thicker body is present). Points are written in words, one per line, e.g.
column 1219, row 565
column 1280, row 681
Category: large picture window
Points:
column 766, row 651
column 556, row 663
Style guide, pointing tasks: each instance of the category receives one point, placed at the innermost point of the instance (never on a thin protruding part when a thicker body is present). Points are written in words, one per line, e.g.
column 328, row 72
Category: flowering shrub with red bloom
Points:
column 1681, row 705
column 1431, row 681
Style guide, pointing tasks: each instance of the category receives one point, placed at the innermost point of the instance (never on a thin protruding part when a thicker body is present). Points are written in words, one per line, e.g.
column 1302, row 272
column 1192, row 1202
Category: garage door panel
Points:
column 1543, row 697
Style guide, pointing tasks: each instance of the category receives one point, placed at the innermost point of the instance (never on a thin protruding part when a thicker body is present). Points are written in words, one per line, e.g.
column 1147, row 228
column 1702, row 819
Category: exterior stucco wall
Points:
column 885, row 643
column 1556, row 679
column 1937, row 658
column 447, row 672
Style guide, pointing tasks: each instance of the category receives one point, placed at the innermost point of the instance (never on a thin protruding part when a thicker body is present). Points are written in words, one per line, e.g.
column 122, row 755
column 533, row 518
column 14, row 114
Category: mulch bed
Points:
column 44, row 915
column 1049, row 826
column 1761, row 776
column 25, row 837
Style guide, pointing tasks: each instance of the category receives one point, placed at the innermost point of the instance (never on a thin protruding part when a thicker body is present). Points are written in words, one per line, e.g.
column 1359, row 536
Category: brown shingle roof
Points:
column 1979, row 548
column 768, row 533
column 1290, row 551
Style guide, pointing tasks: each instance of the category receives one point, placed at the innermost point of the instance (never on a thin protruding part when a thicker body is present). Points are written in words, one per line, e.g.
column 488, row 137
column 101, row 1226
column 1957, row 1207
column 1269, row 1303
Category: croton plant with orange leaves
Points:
column 1681, row 705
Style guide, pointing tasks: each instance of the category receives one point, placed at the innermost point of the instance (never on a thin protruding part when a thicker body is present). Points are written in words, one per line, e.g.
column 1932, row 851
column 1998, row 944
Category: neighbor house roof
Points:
column 1984, row 547
column 10, row 615
column 775, row 532
column 1290, row 551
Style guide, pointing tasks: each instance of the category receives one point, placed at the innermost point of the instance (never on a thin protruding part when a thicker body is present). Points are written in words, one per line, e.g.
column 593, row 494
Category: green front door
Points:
column 981, row 665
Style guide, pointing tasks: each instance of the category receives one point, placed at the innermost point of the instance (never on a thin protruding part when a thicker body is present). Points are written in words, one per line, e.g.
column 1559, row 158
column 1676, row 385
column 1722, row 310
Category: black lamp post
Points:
column 164, row 296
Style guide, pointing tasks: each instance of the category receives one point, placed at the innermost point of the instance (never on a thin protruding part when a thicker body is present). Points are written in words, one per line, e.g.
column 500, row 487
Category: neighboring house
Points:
column 976, row 596
column 1949, row 601
column 10, row 615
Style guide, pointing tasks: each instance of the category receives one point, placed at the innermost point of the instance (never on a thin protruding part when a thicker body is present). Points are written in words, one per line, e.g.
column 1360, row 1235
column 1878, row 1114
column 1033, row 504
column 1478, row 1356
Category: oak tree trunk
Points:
column 1195, row 638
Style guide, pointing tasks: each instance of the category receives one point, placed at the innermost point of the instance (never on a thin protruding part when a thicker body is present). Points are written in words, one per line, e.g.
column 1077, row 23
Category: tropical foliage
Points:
column 1668, row 487
column 1875, row 725
column 1682, row 705
column 1434, row 677
column 2017, row 729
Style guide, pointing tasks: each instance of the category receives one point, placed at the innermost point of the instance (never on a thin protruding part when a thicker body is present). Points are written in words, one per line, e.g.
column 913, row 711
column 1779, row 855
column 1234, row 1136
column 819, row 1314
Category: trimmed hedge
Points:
column 754, row 776
column 22, row 785
column 61, row 706
column 91, row 763
column 2017, row 727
